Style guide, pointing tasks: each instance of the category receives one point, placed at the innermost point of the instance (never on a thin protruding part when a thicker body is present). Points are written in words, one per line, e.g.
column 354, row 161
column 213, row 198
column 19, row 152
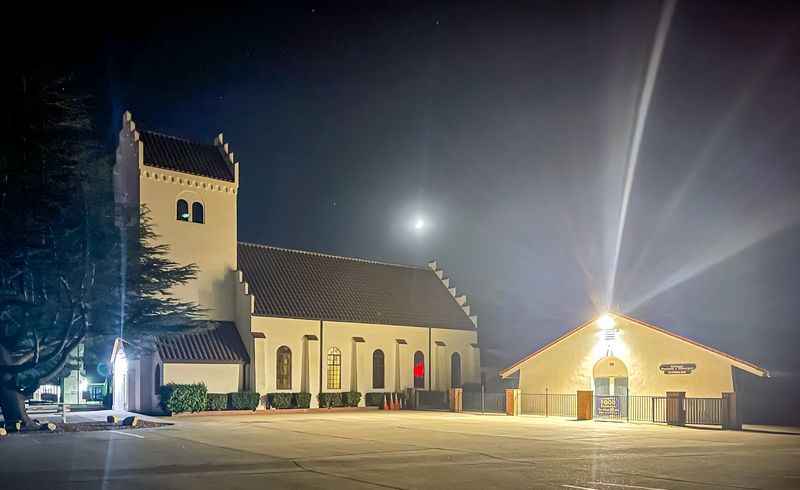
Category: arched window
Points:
column 182, row 209
column 197, row 213
column 156, row 379
column 419, row 370
column 377, row 369
column 334, row 369
column 455, row 370
column 283, row 369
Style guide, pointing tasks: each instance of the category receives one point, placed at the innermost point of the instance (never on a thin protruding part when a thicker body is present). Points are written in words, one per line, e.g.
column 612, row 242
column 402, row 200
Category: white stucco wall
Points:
column 219, row 378
column 567, row 366
column 210, row 245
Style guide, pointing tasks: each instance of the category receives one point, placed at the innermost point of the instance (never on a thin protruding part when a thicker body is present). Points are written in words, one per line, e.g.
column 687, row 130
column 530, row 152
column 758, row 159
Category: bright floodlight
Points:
column 605, row 321
column 419, row 224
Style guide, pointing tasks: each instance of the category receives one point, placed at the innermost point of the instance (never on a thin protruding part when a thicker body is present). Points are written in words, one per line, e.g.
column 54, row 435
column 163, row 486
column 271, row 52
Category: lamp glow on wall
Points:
column 608, row 334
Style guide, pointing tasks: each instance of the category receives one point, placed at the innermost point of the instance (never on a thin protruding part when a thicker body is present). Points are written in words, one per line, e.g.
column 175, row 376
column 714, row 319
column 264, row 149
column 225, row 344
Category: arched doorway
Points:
column 610, row 388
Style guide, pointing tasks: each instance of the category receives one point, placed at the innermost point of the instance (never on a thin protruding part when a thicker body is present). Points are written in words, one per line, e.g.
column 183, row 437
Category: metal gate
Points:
column 475, row 401
column 550, row 404
column 432, row 400
column 647, row 409
column 703, row 411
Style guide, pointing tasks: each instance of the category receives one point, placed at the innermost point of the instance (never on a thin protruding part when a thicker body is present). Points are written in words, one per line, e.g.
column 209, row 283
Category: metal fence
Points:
column 550, row 404
column 637, row 408
column 432, row 400
column 703, row 411
column 476, row 401
column 647, row 409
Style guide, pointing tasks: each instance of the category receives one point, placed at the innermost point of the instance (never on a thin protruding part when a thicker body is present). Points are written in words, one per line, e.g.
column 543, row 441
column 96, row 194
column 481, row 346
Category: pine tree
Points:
column 69, row 274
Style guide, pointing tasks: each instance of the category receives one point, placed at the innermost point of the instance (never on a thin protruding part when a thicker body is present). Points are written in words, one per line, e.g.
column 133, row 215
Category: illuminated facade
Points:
column 285, row 320
column 616, row 355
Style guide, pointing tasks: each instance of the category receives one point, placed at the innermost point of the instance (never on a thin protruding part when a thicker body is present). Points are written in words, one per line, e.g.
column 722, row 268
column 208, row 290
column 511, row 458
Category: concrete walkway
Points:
column 400, row 450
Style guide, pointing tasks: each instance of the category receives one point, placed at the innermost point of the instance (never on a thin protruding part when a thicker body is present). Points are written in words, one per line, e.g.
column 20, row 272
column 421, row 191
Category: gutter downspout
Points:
column 430, row 362
column 320, row 356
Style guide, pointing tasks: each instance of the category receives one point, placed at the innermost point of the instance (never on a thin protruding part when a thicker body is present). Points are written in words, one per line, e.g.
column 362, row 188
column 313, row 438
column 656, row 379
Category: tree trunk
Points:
column 12, row 402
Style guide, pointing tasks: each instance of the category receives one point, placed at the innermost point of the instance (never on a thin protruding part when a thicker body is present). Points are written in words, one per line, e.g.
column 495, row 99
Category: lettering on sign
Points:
column 608, row 406
column 679, row 368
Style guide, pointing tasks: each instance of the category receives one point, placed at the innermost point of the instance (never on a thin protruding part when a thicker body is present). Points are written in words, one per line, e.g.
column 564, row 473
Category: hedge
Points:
column 327, row 400
column 217, row 401
column 302, row 400
column 243, row 400
column 177, row 398
column 351, row 398
column 280, row 400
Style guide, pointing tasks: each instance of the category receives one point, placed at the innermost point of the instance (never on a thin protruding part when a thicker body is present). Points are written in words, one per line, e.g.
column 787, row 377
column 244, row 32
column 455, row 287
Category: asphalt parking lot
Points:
column 400, row 450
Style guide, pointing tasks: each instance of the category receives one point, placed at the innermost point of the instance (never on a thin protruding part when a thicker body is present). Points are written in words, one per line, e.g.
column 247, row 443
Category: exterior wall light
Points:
column 606, row 322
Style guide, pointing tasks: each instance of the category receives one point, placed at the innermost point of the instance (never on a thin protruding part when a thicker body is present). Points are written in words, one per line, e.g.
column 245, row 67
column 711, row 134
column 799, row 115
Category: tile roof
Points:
column 297, row 284
column 169, row 152
column 219, row 344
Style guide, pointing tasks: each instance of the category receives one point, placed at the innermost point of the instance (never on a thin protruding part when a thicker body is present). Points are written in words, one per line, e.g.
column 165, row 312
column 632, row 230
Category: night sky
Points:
column 506, row 127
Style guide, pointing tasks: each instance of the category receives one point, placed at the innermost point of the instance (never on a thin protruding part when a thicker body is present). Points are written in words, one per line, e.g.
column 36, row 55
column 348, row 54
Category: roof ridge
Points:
column 322, row 254
column 177, row 138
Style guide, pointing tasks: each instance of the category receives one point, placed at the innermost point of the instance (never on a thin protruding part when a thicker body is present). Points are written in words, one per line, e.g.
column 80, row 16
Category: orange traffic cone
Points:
column 385, row 403
column 394, row 402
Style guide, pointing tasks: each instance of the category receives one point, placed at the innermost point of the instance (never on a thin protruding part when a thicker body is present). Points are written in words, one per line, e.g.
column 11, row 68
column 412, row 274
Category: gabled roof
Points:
column 297, row 284
column 515, row 367
column 180, row 155
column 219, row 344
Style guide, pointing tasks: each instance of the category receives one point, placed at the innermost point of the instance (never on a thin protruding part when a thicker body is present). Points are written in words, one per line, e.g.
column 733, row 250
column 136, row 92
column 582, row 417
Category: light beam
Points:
column 668, row 8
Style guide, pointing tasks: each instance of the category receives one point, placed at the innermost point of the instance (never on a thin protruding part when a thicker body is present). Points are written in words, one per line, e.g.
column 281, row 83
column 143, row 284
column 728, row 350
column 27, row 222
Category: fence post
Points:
column 456, row 400
column 653, row 409
column 513, row 400
column 546, row 402
column 731, row 418
column 676, row 412
column 627, row 407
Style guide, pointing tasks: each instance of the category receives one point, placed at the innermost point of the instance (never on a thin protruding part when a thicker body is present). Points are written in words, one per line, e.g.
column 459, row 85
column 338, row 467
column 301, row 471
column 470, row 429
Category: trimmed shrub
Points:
column 243, row 400
column 351, row 398
column 280, row 400
column 327, row 400
column 301, row 400
column 217, row 401
column 177, row 398
column 374, row 399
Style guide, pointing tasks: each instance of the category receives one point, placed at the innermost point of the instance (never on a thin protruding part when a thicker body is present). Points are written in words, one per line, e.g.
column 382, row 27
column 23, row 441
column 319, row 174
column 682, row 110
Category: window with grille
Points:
column 377, row 369
column 334, row 369
column 283, row 369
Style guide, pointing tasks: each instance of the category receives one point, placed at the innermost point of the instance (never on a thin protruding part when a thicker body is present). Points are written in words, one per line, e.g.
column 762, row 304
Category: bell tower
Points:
column 190, row 190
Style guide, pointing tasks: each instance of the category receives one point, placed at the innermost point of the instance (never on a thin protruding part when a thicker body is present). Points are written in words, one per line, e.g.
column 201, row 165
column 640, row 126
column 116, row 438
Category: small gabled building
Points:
column 616, row 355
column 280, row 320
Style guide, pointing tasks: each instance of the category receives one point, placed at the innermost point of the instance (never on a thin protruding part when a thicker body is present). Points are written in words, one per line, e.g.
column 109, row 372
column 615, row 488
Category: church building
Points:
column 619, row 356
column 284, row 320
